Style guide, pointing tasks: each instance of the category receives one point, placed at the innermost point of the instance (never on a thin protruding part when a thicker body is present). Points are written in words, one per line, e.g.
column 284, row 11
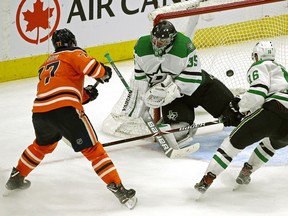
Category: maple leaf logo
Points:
column 39, row 18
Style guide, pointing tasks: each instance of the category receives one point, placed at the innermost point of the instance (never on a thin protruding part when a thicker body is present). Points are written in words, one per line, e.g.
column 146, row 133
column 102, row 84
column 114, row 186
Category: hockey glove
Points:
column 231, row 115
column 92, row 92
column 161, row 95
column 107, row 75
column 234, row 104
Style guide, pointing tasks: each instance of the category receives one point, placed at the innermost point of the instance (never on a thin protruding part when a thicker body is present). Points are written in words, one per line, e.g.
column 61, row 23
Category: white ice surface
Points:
column 65, row 184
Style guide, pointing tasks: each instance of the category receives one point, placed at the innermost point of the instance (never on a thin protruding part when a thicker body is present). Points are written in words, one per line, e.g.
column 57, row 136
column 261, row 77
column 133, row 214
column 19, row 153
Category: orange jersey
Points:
column 61, row 79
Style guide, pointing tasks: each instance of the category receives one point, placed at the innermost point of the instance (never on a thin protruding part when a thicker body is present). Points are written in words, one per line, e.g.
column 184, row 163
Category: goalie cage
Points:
column 224, row 45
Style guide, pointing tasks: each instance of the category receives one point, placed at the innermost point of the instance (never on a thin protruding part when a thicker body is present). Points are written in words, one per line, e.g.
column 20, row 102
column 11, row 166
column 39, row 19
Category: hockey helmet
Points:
column 63, row 38
column 163, row 36
column 264, row 50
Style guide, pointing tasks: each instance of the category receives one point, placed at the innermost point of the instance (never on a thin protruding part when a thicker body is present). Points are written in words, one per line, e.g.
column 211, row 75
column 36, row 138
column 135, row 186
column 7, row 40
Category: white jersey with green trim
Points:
column 180, row 61
column 268, row 81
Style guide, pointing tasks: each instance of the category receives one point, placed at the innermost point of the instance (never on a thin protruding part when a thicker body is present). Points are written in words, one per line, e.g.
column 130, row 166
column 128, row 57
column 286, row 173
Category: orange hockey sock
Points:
column 102, row 164
column 32, row 156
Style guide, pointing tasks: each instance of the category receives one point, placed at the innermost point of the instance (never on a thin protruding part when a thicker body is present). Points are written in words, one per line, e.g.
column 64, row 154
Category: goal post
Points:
column 224, row 33
column 198, row 10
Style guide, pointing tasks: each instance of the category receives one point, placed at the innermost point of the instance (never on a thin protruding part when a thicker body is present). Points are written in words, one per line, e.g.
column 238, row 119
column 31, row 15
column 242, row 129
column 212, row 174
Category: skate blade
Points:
column 197, row 195
column 236, row 187
column 7, row 192
column 131, row 203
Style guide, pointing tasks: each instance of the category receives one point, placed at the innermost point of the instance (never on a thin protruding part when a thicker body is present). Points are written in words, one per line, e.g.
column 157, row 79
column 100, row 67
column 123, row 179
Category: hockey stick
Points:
column 195, row 126
column 107, row 55
column 168, row 151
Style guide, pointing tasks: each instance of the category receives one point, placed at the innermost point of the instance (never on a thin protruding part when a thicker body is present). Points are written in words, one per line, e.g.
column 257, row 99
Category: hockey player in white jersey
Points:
column 168, row 75
column 265, row 105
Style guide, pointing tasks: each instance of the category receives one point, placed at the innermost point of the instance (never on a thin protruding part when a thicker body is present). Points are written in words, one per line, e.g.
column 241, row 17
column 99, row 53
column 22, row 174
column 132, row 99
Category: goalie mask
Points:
column 63, row 38
column 264, row 50
column 162, row 37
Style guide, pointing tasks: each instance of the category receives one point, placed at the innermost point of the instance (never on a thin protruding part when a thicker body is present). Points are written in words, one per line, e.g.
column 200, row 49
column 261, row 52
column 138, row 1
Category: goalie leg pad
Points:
column 179, row 139
column 183, row 134
column 183, row 138
column 169, row 137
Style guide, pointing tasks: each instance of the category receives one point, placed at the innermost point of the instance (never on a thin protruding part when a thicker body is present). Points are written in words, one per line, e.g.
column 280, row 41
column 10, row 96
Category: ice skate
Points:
column 126, row 197
column 204, row 184
column 244, row 176
column 16, row 182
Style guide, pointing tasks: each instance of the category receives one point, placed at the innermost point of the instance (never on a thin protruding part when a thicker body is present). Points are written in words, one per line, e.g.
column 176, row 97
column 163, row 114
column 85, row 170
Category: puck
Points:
column 229, row 73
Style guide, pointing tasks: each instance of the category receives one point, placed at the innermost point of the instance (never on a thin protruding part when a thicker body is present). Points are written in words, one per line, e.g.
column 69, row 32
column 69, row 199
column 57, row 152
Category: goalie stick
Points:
column 168, row 151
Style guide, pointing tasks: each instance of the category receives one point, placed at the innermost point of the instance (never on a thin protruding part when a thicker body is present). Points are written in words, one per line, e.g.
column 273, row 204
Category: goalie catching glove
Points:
column 162, row 93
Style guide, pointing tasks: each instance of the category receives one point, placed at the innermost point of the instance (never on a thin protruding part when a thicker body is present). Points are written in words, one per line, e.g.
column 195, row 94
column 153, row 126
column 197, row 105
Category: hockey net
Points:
column 224, row 33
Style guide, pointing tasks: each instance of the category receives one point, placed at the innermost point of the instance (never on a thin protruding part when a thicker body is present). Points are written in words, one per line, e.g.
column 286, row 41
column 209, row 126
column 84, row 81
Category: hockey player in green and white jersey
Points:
column 265, row 105
column 168, row 75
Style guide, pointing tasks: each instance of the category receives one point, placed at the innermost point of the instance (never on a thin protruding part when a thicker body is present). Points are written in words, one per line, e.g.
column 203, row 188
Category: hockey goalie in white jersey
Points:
column 168, row 75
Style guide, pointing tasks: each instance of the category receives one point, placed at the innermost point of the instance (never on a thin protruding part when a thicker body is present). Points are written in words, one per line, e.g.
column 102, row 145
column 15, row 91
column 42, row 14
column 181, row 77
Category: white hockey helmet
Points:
column 264, row 51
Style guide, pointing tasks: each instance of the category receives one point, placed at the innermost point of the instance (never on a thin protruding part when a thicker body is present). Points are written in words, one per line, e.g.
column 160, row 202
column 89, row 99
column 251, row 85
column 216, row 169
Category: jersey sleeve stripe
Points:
column 97, row 72
column 260, row 86
column 188, row 80
column 86, row 69
column 192, row 73
column 93, row 69
column 260, row 93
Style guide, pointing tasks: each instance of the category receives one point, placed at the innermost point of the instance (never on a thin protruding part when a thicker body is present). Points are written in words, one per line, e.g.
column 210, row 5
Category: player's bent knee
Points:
column 93, row 152
column 47, row 149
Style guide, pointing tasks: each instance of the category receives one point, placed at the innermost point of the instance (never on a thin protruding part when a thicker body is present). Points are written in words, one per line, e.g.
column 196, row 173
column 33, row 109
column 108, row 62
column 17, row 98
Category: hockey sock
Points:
column 261, row 154
column 102, row 164
column 32, row 157
column 222, row 158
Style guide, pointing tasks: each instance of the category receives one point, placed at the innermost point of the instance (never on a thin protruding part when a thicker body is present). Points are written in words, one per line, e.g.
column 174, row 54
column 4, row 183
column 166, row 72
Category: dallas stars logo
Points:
column 157, row 77
column 172, row 115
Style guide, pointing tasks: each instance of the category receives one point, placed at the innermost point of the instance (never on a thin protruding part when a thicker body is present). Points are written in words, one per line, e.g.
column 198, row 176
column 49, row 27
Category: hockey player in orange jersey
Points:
column 58, row 112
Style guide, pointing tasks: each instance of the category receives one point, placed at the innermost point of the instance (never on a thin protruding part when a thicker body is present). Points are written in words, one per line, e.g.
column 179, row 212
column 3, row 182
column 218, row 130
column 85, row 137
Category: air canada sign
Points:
column 36, row 20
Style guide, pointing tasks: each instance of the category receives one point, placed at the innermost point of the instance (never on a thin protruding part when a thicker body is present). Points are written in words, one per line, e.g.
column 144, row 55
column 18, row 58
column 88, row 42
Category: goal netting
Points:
column 224, row 32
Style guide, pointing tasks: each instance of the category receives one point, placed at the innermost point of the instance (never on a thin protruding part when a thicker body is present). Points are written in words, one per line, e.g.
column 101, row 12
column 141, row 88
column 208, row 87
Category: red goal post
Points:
column 210, row 9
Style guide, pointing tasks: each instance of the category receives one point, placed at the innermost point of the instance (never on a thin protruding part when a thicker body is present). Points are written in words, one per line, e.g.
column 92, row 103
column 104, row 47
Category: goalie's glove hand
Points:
column 231, row 115
column 107, row 75
column 162, row 94
column 92, row 92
